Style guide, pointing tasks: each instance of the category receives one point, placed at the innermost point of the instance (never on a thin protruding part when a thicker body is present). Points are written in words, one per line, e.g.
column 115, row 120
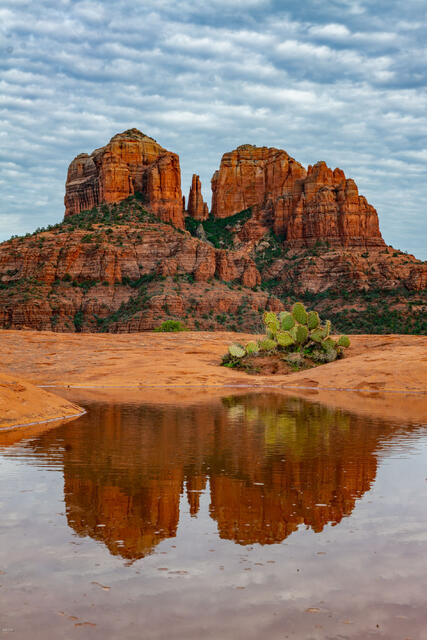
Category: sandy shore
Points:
column 377, row 369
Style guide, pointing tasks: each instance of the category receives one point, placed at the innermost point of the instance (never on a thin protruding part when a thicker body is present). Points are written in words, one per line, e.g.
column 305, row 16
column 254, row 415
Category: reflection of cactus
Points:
column 287, row 320
column 343, row 341
column 299, row 313
column 313, row 319
column 236, row 351
column 267, row 344
column 251, row 348
column 284, row 339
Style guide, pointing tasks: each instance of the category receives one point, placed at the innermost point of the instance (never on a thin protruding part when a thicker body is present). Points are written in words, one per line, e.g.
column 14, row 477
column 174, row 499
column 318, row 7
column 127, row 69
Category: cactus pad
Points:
column 344, row 341
column 267, row 344
column 299, row 313
column 236, row 351
column 301, row 334
column 313, row 320
column 287, row 321
column 317, row 335
column 328, row 344
column 284, row 339
column 251, row 348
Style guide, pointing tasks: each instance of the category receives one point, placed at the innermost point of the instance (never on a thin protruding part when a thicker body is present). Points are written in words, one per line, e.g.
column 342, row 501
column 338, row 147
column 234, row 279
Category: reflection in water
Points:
column 272, row 464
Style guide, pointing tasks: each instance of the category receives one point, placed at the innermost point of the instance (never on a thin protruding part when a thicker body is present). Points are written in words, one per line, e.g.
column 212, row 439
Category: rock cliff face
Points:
column 302, row 207
column 197, row 208
column 131, row 162
column 127, row 276
column 132, row 260
column 251, row 176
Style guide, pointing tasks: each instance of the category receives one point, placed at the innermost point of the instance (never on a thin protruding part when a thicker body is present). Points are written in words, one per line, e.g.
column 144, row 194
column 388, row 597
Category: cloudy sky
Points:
column 342, row 81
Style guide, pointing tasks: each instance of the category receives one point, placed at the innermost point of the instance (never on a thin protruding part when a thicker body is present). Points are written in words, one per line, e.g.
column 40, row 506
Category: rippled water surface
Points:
column 247, row 517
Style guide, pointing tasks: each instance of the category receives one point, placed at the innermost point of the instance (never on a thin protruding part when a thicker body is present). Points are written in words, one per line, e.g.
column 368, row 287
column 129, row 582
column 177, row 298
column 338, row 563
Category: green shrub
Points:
column 171, row 326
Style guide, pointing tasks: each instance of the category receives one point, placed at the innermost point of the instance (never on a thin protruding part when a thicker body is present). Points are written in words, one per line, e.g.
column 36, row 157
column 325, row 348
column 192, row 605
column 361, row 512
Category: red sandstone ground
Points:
column 387, row 375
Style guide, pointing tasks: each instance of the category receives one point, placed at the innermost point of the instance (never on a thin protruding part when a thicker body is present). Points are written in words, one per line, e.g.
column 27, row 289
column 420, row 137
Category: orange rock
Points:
column 303, row 207
column 252, row 175
column 197, row 208
column 131, row 162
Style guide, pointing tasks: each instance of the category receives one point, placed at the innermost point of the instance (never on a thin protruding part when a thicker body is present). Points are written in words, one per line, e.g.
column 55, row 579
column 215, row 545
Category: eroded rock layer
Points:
column 131, row 162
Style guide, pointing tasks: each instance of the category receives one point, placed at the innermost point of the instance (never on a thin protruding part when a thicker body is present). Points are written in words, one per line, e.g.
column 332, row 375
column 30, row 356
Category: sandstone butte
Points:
column 131, row 162
column 122, row 259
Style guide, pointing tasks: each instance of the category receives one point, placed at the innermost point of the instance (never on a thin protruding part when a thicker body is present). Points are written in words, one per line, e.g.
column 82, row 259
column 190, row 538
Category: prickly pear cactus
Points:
column 313, row 320
column 236, row 351
column 298, row 335
column 299, row 313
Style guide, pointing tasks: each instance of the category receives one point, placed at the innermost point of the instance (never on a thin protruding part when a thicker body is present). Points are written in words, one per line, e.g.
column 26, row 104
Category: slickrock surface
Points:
column 303, row 206
column 197, row 208
column 185, row 367
column 131, row 162
column 22, row 403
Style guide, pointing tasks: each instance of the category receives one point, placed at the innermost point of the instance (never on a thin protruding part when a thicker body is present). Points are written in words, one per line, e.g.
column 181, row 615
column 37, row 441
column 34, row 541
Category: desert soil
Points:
column 382, row 375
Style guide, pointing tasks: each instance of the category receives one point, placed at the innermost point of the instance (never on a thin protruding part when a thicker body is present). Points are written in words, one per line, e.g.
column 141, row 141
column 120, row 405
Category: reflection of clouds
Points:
column 206, row 77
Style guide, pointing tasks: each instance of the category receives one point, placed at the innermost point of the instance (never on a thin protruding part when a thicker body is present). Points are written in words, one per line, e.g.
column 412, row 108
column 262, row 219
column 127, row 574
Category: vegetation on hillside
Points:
column 220, row 232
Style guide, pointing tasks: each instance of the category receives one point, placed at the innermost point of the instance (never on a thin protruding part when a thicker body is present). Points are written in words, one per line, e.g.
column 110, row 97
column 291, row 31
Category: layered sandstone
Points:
column 303, row 207
column 131, row 276
column 131, row 162
column 197, row 208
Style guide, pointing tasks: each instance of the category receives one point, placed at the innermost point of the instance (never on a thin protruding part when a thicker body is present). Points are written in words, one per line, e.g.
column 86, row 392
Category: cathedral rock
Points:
column 131, row 162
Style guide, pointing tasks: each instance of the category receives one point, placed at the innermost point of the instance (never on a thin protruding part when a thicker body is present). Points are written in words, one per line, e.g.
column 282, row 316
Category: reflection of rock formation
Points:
column 273, row 464
column 309, row 468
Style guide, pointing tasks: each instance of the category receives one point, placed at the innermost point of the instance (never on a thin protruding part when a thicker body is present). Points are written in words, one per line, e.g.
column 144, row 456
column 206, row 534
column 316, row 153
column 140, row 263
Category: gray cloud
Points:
column 342, row 81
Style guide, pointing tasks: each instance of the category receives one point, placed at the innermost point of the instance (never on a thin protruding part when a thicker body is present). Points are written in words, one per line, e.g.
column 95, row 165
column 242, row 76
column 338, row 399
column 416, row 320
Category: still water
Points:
column 246, row 517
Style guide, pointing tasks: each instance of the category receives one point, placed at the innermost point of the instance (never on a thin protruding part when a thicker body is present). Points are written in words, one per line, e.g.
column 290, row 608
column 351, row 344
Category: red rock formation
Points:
column 131, row 162
column 252, row 175
column 197, row 208
column 46, row 280
column 303, row 207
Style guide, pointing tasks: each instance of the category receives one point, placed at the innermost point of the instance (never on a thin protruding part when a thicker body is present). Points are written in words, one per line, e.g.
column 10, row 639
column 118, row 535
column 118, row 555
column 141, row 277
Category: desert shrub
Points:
column 171, row 326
